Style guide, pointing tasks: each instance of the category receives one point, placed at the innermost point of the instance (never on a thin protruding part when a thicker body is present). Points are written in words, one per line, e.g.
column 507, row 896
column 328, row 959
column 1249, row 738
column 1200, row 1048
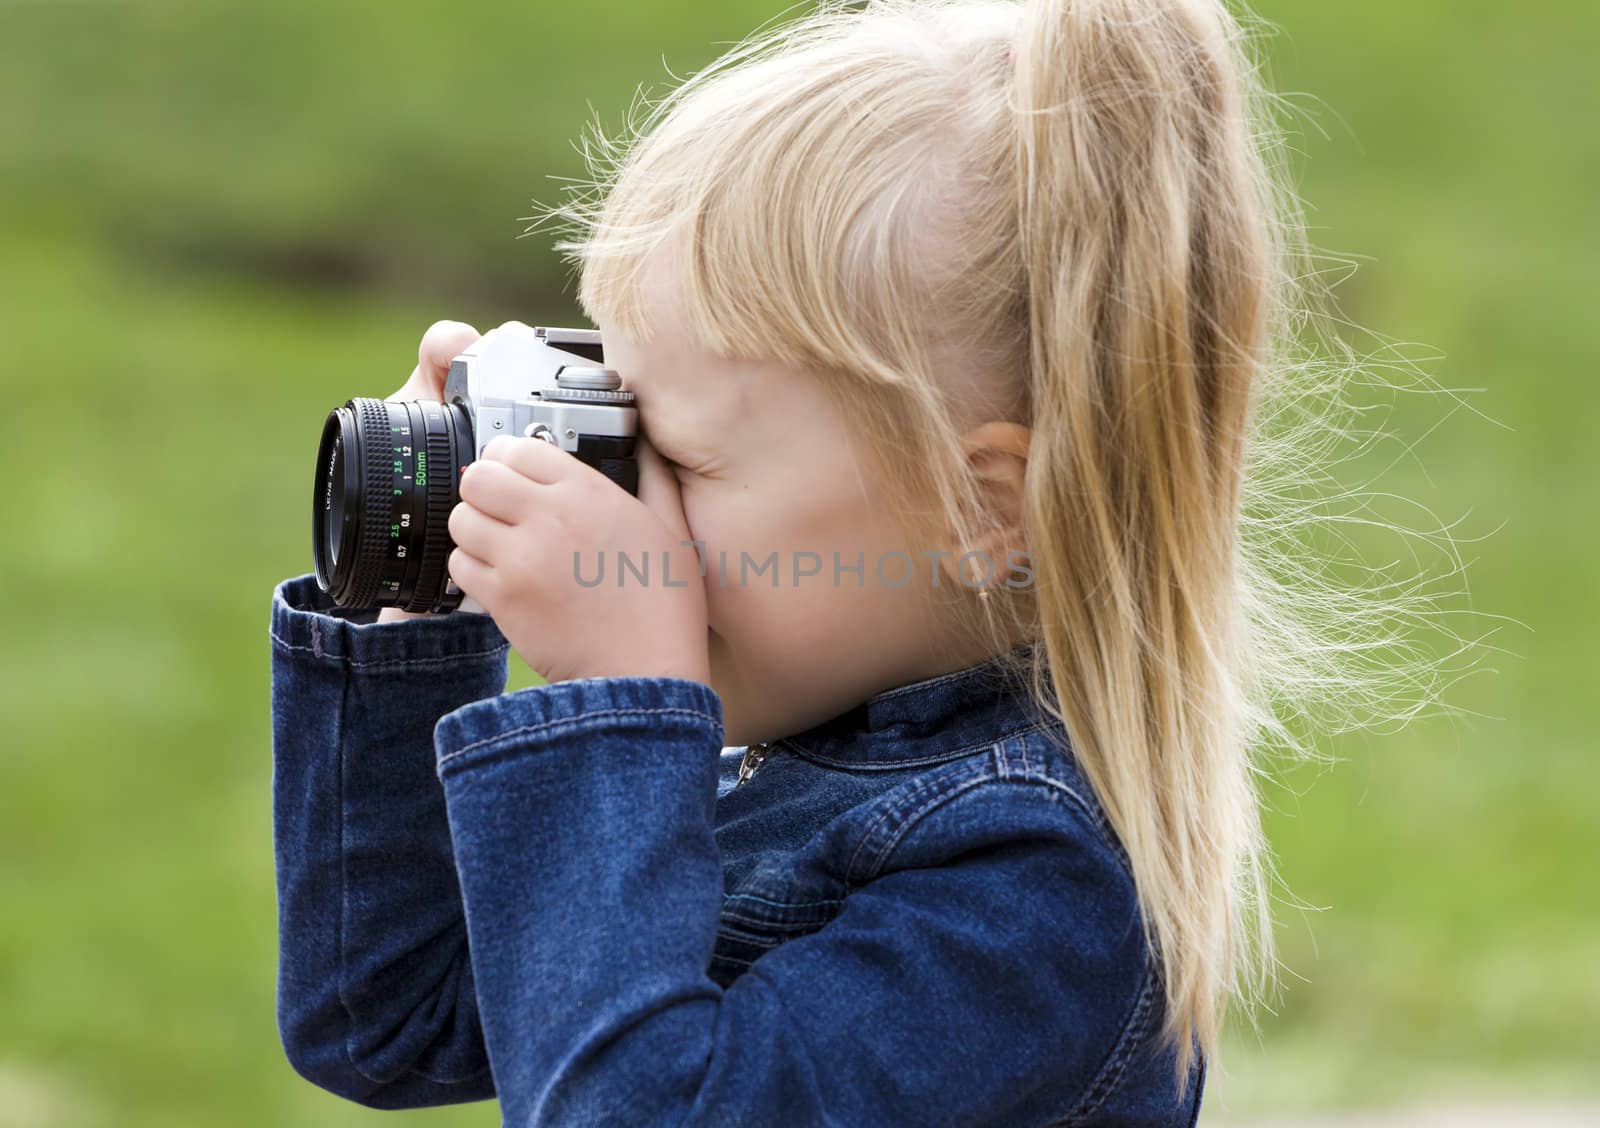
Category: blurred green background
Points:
column 220, row 221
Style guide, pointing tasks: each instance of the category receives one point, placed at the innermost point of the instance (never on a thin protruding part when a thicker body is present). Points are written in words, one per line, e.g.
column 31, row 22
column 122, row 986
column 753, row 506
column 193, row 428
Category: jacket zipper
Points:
column 753, row 757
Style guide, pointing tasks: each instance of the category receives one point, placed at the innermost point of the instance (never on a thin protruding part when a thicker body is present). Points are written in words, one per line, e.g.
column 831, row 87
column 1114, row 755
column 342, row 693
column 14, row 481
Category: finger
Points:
column 442, row 343
column 659, row 488
column 480, row 534
column 535, row 459
column 471, row 574
column 497, row 490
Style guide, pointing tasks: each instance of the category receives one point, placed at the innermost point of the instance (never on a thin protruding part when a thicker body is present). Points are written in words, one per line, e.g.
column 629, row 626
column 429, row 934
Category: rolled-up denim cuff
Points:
column 308, row 623
column 626, row 710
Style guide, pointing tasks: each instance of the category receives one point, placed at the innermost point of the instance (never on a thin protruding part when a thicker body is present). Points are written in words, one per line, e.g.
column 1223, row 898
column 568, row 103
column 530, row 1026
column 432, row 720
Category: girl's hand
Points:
column 442, row 343
column 533, row 518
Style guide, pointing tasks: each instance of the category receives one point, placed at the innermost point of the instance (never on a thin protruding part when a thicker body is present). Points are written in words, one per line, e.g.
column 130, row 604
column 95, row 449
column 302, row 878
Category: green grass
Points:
column 170, row 365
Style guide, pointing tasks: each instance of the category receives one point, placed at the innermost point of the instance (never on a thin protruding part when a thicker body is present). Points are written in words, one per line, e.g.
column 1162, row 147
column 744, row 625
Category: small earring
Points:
column 983, row 592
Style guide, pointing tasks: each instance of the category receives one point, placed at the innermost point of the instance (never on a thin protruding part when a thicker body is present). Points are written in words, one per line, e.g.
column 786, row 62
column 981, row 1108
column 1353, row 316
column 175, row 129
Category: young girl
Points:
column 957, row 310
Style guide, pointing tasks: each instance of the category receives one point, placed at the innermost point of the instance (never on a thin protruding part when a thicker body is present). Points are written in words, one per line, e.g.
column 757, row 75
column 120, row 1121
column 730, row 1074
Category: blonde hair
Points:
column 1084, row 202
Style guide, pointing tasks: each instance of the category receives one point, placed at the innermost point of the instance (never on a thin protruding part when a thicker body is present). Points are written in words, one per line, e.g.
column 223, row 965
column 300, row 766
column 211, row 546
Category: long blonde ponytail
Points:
column 1146, row 250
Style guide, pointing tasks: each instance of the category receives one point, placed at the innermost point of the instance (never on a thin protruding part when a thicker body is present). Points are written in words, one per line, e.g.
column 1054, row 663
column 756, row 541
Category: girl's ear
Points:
column 997, row 451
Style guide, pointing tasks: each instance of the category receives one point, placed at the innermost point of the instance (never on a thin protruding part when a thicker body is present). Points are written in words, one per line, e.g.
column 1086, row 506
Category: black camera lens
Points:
column 388, row 475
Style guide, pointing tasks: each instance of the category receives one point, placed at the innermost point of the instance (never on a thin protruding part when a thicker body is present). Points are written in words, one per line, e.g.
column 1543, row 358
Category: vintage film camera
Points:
column 388, row 473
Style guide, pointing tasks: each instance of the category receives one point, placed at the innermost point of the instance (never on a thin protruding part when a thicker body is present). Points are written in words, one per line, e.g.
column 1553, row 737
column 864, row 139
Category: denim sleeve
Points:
column 376, row 1000
column 983, row 977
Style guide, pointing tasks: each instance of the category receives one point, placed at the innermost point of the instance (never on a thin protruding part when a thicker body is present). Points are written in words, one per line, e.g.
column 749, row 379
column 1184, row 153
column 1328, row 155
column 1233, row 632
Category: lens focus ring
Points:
column 372, row 424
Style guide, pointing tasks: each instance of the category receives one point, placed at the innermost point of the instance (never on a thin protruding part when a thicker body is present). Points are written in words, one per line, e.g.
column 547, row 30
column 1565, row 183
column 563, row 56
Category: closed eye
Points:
column 672, row 463
column 690, row 461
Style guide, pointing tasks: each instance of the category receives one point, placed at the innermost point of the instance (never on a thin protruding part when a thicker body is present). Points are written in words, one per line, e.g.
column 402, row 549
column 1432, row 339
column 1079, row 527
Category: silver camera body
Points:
column 539, row 382
column 551, row 384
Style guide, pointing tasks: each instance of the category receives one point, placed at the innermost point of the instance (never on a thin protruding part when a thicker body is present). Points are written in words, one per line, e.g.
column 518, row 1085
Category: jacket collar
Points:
column 938, row 718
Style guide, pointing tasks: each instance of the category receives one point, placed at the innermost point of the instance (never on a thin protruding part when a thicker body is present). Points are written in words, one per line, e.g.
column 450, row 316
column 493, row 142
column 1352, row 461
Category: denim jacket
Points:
column 562, row 897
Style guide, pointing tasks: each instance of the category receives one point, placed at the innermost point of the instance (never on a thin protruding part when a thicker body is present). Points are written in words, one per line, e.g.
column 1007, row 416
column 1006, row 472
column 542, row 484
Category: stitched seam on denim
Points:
column 1107, row 834
column 786, row 923
column 949, row 790
column 906, row 806
column 872, row 828
column 1099, row 824
column 939, row 679
column 1102, row 826
column 573, row 722
column 350, row 1052
column 880, row 765
column 1095, row 811
column 912, row 823
column 324, row 653
column 344, row 894
column 1111, row 1072
column 891, row 765
column 736, row 959
column 755, row 941
column 783, row 904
